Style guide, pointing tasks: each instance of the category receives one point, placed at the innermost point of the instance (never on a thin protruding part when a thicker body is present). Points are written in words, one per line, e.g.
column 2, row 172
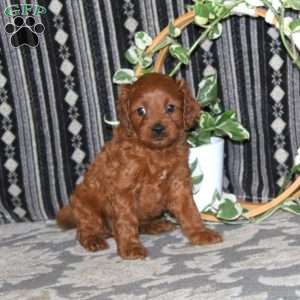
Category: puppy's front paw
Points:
column 133, row 251
column 93, row 243
column 205, row 237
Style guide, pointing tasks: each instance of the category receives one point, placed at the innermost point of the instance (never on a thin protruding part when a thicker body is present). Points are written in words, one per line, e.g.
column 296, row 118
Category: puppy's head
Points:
column 157, row 109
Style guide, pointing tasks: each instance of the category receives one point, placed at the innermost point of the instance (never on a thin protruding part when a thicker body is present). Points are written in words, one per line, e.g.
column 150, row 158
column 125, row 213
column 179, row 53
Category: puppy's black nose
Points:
column 158, row 129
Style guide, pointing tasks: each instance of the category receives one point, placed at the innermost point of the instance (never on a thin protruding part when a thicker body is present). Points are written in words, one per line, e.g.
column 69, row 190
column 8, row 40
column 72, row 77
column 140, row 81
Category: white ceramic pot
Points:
column 210, row 165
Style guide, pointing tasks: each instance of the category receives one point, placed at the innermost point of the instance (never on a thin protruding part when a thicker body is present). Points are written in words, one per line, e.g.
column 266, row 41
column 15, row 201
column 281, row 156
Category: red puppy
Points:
column 142, row 172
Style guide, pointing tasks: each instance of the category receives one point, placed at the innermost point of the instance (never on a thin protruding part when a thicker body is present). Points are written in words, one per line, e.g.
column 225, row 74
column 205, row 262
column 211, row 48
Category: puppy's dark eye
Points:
column 141, row 111
column 170, row 108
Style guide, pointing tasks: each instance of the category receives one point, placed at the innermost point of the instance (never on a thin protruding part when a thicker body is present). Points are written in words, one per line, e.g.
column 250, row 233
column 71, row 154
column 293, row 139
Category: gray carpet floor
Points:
column 40, row 262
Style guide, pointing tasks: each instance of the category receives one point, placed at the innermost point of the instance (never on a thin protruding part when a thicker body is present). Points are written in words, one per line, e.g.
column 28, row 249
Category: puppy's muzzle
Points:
column 158, row 130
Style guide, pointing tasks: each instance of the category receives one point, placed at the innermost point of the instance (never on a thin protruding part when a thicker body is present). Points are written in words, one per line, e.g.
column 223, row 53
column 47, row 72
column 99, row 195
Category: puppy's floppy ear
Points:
column 191, row 108
column 123, row 108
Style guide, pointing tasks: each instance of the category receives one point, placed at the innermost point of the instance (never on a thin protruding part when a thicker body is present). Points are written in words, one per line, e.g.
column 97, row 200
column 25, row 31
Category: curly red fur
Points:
column 142, row 172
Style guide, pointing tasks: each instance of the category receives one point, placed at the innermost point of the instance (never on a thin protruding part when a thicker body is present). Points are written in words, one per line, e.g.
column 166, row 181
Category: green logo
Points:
column 24, row 10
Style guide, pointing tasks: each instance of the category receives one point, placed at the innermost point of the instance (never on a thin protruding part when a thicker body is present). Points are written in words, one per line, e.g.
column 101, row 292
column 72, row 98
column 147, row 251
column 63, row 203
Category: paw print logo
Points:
column 24, row 31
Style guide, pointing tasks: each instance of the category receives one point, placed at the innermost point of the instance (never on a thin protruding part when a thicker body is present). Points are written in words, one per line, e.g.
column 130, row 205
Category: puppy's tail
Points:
column 65, row 218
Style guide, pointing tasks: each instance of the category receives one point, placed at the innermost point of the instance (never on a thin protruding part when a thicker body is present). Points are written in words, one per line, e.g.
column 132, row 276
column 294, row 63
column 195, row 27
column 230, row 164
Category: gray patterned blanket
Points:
column 40, row 262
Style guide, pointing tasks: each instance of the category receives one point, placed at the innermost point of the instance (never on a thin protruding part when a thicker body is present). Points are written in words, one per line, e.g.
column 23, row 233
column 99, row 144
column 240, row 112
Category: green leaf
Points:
column 216, row 196
column 207, row 121
column 213, row 206
column 201, row 14
column 235, row 131
column 197, row 179
column 132, row 55
column 229, row 210
column 173, row 30
column 192, row 141
column 295, row 25
column 230, row 197
column 142, row 40
column 223, row 11
column 196, row 189
column 225, row 116
column 193, row 165
column 179, row 52
column 225, row 124
column 216, row 108
column 296, row 169
column 145, row 61
column 166, row 42
column 200, row 137
column 216, row 32
column 208, row 91
column 294, row 4
column 124, row 76
column 211, row 10
column 291, row 206
column 228, row 125
column 217, row 2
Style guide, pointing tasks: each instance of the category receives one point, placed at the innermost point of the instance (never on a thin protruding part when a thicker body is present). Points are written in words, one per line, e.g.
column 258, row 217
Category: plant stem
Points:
column 266, row 215
column 197, row 42
column 203, row 36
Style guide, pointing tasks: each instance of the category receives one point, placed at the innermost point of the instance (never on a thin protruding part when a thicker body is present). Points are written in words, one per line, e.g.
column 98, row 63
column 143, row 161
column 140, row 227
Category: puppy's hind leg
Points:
column 91, row 228
column 65, row 218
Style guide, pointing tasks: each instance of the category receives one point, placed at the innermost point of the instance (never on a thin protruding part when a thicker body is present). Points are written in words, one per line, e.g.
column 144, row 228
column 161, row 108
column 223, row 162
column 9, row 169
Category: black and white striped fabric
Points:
column 53, row 98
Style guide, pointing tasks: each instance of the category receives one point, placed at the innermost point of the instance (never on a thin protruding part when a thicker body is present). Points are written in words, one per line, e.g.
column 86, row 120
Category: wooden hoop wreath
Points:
column 253, row 209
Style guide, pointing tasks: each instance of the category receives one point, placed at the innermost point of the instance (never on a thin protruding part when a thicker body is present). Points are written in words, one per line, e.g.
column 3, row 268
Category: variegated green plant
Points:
column 228, row 210
column 213, row 121
column 196, row 178
column 225, row 207
column 135, row 55
column 209, row 15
